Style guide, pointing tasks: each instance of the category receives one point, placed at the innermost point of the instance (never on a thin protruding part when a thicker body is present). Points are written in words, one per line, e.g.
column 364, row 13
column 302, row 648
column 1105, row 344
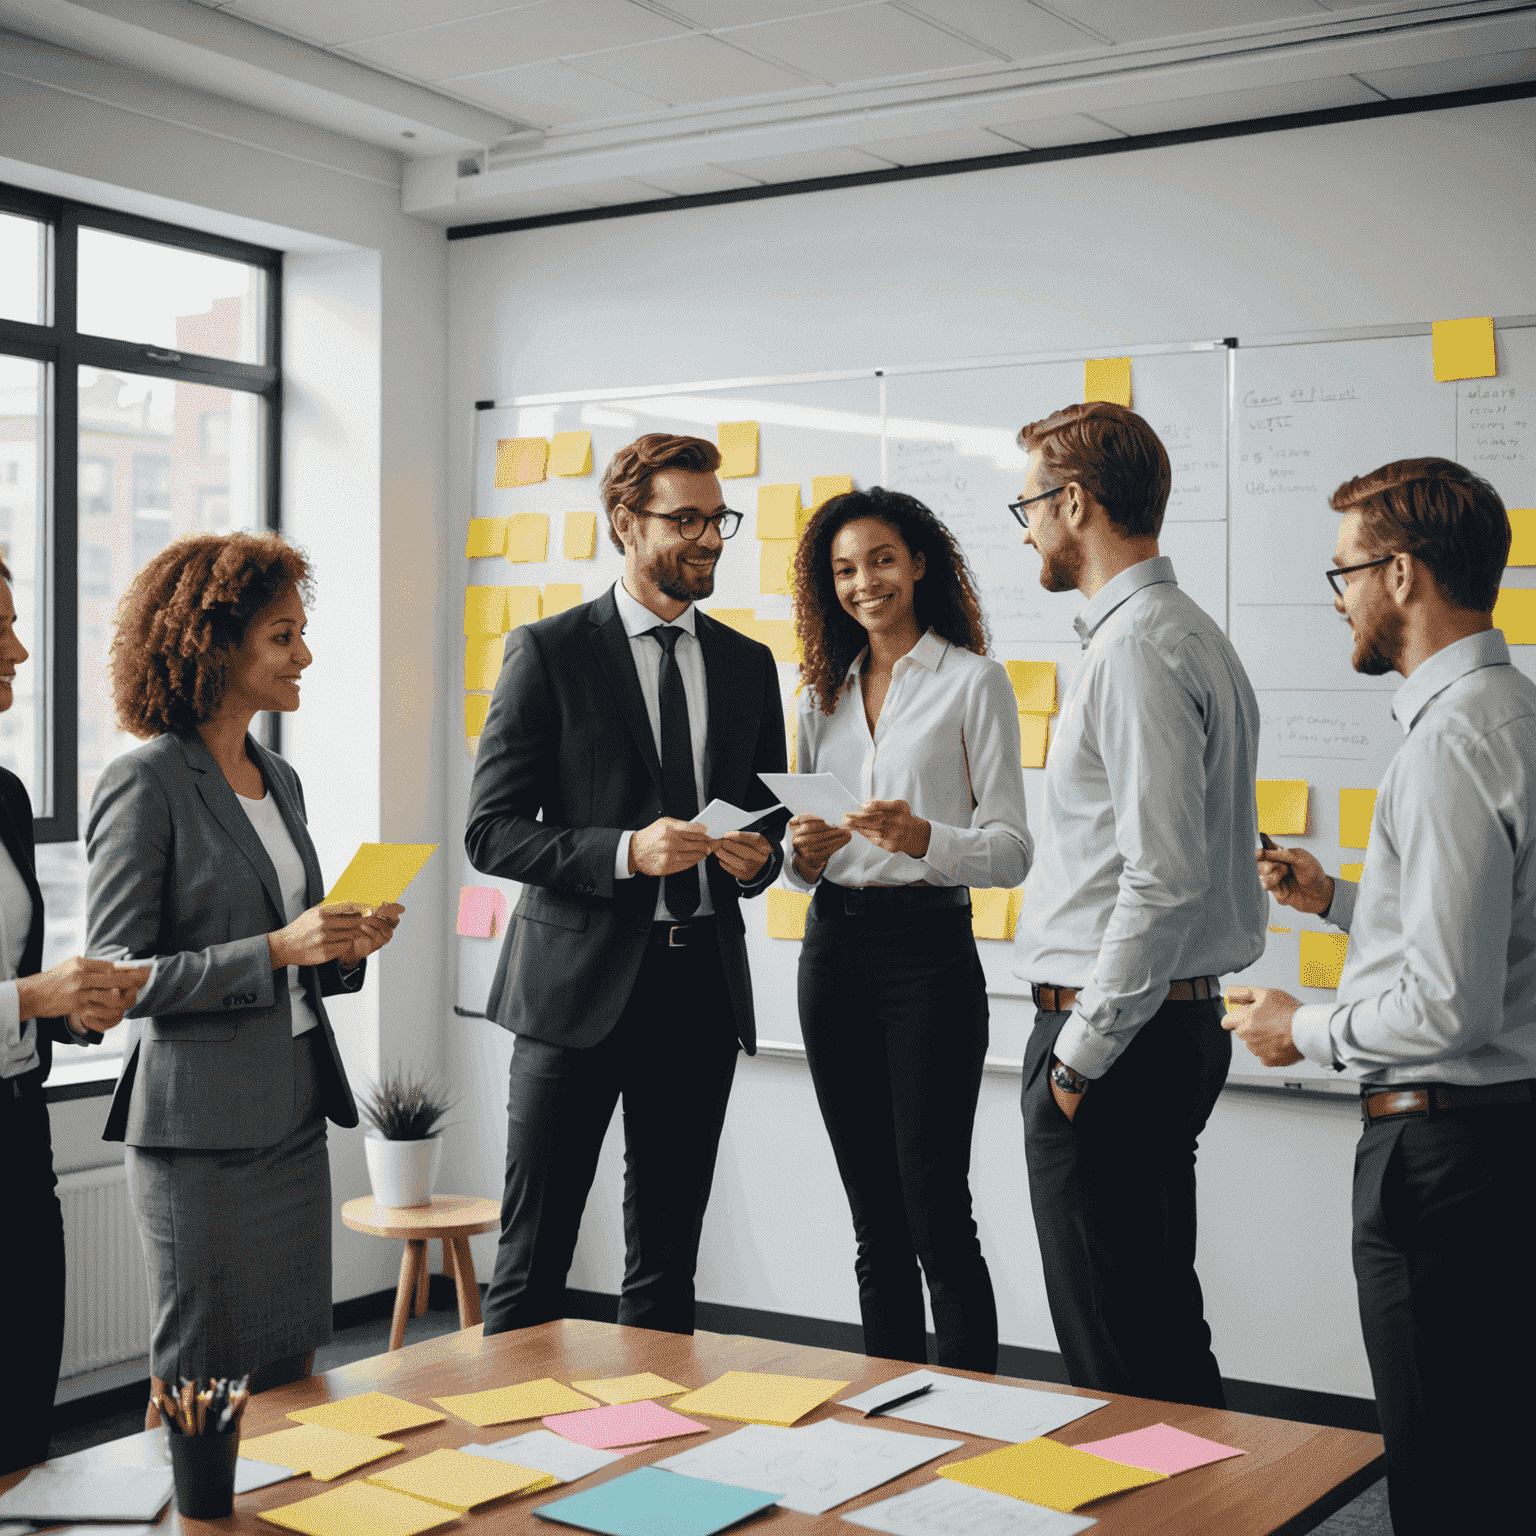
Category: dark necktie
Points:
column 679, row 789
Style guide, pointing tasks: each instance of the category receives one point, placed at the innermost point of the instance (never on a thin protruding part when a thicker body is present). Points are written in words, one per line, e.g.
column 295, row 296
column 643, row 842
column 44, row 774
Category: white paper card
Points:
column 813, row 794
column 944, row 1508
column 985, row 1408
column 545, row 1451
column 51, row 1493
column 251, row 1475
column 720, row 816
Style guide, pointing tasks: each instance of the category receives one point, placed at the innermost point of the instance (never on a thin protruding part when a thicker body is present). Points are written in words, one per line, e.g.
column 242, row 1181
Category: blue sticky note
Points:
column 650, row 1502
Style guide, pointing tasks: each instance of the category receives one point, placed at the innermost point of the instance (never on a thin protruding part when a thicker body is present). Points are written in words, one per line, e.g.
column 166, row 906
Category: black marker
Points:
column 1268, row 843
column 896, row 1402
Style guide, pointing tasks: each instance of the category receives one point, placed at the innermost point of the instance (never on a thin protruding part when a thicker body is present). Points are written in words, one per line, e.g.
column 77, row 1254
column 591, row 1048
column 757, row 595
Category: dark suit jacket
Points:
column 567, row 763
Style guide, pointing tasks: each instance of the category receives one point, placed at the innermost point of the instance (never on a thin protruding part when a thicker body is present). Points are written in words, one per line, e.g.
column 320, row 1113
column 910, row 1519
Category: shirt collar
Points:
column 927, row 653
column 1487, row 648
column 639, row 620
column 1131, row 580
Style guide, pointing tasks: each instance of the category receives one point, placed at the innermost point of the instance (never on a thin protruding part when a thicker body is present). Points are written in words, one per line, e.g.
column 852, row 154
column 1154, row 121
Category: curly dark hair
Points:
column 183, row 614
column 945, row 598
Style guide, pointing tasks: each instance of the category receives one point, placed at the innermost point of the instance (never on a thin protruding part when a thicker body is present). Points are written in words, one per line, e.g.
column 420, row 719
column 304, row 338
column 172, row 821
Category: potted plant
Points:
column 403, row 1148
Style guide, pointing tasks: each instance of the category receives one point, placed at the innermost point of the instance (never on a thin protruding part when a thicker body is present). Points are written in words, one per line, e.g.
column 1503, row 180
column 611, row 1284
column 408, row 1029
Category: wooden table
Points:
column 1292, row 1478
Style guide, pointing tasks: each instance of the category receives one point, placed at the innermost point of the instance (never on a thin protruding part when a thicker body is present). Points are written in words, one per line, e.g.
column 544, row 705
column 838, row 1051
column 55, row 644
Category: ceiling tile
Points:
column 871, row 42
column 1016, row 30
column 341, row 21
column 692, row 180
column 737, row 13
column 816, row 162
column 1141, row 21
column 928, row 148
column 1235, row 106
column 552, row 93
column 1455, row 74
column 1052, row 132
column 691, row 69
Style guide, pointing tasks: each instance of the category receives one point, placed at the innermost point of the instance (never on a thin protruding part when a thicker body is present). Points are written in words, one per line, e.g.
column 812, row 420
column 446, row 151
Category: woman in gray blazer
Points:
column 200, row 862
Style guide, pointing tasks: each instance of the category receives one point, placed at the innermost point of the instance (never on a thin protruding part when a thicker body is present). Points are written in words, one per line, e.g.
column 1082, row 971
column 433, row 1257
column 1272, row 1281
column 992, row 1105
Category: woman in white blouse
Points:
column 902, row 705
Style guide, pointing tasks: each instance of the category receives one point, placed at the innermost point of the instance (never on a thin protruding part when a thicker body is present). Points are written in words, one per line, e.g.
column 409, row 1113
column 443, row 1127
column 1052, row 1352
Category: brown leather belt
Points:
column 1197, row 989
column 1383, row 1103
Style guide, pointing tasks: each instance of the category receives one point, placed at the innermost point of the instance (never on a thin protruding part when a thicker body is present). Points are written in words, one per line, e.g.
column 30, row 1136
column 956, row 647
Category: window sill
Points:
column 82, row 1079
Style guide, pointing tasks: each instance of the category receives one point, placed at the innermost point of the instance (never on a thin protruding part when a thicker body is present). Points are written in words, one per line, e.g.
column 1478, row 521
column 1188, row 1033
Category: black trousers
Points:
column 893, row 1011
column 1113, row 1192
column 31, row 1278
column 1445, row 1262
column 670, row 1058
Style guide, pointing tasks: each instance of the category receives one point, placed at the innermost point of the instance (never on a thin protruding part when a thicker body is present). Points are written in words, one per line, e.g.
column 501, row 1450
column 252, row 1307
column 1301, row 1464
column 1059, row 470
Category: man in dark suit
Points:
column 624, row 970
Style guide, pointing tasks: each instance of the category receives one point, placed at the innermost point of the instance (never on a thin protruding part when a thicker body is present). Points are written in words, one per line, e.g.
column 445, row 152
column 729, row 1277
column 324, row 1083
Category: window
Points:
column 95, row 486
column 213, row 436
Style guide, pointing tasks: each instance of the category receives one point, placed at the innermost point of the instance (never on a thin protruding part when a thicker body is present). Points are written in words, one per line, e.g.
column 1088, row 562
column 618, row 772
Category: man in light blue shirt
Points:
column 1436, row 1005
column 1142, row 895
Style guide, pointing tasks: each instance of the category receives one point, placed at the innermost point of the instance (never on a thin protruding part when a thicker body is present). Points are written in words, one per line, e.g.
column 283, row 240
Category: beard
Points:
column 682, row 583
column 1060, row 572
column 1376, row 648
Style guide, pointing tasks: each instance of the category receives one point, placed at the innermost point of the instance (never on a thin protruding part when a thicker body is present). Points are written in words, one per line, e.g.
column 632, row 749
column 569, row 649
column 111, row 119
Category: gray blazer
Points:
column 178, row 874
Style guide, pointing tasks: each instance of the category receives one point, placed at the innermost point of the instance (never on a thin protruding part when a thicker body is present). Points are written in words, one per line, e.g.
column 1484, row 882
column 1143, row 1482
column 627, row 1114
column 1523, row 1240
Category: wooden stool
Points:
column 453, row 1220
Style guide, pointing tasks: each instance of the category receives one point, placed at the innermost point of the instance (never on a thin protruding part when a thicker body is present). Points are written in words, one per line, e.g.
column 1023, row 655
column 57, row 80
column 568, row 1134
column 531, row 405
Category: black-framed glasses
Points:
column 691, row 524
column 1017, row 507
column 1337, row 573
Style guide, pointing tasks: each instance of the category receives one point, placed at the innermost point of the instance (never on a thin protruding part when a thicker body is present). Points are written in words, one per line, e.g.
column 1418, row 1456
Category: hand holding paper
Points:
column 890, row 824
column 379, row 874
column 668, row 846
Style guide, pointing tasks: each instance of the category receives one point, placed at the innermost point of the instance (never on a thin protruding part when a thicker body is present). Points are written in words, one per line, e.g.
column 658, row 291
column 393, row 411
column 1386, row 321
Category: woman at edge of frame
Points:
column 903, row 706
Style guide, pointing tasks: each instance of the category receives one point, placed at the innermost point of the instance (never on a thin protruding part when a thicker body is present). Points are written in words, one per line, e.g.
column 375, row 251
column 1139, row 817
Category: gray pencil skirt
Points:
column 237, row 1243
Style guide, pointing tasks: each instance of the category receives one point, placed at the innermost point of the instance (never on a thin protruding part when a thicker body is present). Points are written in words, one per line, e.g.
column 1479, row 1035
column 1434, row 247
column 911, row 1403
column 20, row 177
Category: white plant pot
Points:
column 403, row 1172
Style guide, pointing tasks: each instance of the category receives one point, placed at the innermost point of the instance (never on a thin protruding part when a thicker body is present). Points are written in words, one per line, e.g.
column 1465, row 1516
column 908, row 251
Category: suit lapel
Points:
column 225, row 809
column 21, row 857
column 717, row 690
column 611, row 644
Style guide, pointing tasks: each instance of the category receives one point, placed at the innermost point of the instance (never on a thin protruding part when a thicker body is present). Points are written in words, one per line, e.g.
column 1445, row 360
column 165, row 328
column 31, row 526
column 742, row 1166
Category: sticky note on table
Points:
column 779, row 636
column 759, row 1397
column 527, row 537
column 825, row 487
column 1464, row 349
column 1034, row 686
column 485, row 610
column 1522, row 536
column 737, row 441
column 520, row 461
column 506, row 1405
column 487, row 536
column 774, row 562
column 1108, row 378
column 777, row 508
column 359, row 1509
column 994, row 912
column 649, row 1501
column 570, row 453
column 1045, row 1472
column 1034, row 733
column 1514, row 611
column 482, row 912
column 1351, row 872
column 786, row 914
column 460, row 1482
column 1282, row 806
column 476, row 707
column 323, row 1453
column 379, row 873
column 618, row 1424
column 560, row 595
column 483, row 656
column 1322, row 958
column 1160, row 1448
column 1356, row 809
column 629, row 1389
column 580, row 541
column 369, row 1413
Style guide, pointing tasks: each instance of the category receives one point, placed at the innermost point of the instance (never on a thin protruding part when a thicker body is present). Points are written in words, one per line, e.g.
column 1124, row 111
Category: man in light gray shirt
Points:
column 1436, row 1006
column 1142, row 895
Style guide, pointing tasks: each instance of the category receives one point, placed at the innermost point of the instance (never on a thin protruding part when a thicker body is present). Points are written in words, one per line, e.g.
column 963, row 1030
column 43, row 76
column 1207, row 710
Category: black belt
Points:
column 1378, row 1103
column 876, row 900
column 681, row 935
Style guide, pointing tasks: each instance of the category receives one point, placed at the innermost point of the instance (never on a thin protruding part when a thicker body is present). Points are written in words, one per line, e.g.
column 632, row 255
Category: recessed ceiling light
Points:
column 407, row 133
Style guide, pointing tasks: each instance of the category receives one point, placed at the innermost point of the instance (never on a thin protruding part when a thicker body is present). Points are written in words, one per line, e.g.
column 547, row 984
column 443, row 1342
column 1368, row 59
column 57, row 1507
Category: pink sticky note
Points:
column 482, row 912
column 623, row 1424
column 1160, row 1448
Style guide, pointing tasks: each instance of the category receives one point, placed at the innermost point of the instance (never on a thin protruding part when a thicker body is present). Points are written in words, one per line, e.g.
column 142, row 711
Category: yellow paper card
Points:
column 1522, row 536
column 737, row 441
column 520, row 461
column 560, row 595
column 1279, row 930
column 570, row 453
column 476, row 707
column 629, row 1389
column 825, row 487
column 323, row 1453
column 1108, row 378
column 756, row 1397
column 1034, row 686
column 1322, row 958
column 1514, row 612
column 580, row 542
column 524, row 604
column 779, row 636
column 1464, row 349
column 777, row 508
column 379, row 873
column 358, row 1509
column 1351, row 872
column 990, row 910
column 792, row 732
column 786, row 914
column 506, row 1405
column 482, row 660
column 487, row 536
column 1356, row 808
column 742, row 619
column 775, row 558
column 527, row 537
column 485, row 610
column 1033, row 733
column 1282, row 806
column 369, row 1413
column 1046, row 1472
column 460, row 1481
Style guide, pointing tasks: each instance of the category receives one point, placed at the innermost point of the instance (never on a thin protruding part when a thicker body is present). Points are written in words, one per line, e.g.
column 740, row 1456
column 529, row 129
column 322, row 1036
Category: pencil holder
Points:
column 204, row 1469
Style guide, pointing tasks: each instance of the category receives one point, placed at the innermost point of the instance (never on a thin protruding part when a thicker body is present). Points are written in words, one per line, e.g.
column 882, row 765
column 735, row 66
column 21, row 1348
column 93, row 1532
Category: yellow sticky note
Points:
column 777, row 508
column 738, row 618
column 358, row 1509
column 1282, row 806
column 1356, row 808
column 779, row 636
column 487, row 536
column 580, row 541
column 737, row 441
column 629, row 1389
column 1279, row 930
column 792, row 733
column 994, row 912
column 524, row 604
column 506, row 1405
column 1522, row 536
column 1046, row 1472
column 1514, row 612
column 786, row 914
column 1322, row 958
column 1108, row 378
column 774, row 566
column 825, row 487
column 520, row 461
column 485, row 610
column 313, row 1448
column 379, row 873
column 1034, row 686
column 369, row 1413
column 1034, row 730
column 1464, row 349
column 570, row 453
column 757, row 1397
column 459, row 1481
column 560, row 595
column 476, row 707
column 1351, row 872
column 482, row 660
column 527, row 537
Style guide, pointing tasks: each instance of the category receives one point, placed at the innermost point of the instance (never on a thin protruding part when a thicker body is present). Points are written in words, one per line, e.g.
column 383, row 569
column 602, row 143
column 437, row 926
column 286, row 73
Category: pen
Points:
column 896, row 1402
column 1268, row 843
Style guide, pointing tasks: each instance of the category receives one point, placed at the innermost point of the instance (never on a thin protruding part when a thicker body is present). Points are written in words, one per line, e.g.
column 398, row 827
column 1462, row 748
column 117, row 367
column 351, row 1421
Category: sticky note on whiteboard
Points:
column 1322, row 958
column 825, row 487
column 476, row 707
column 780, row 638
column 1515, row 613
column 1034, row 686
column 1464, row 349
column 1356, row 808
column 786, row 914
column 520, row 461
column 1351, row 872
column 580, row 541
column 482, row 661
column 570, row 453
column 994, row 912
column 773, row 570
column 560, row 595
column 487, row 536
column 1108, row 378
column 1522, row 541
column 737, row 441
column 777, row 508
column 1282, row 806
column 742, row 619
column 527, row 536
column 482, row 912
column 485, row 610
column 1033, row 733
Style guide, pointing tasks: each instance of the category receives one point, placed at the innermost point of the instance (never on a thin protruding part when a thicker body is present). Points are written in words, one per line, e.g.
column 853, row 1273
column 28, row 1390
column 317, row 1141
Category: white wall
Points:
column 1312, row 229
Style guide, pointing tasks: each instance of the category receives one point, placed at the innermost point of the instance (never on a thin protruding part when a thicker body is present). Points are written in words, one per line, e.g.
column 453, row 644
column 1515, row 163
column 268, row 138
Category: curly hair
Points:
column 182, row 616
column 627, row 480
column 945, row 598
column 1113, row 454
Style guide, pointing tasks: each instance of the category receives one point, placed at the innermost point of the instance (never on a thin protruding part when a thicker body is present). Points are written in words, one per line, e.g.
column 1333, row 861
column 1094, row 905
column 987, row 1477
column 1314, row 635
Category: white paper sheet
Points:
column 720, row 816
column 251, row 1475
column 943, row 1508
column 985, row 1408
column 813, row 794
column 52, row 1493
column 545, row 1451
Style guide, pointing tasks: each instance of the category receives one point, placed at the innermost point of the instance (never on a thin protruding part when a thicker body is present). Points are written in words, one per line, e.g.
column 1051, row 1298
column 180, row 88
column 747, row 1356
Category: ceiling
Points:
column 545, row 106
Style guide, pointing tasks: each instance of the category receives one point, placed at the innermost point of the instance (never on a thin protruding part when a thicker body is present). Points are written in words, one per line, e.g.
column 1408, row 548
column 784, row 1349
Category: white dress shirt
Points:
column 270, row 827
column 18, row 1040
column 1439, row 981
column 946, row 742
column 639, row 621
column 1146, row 870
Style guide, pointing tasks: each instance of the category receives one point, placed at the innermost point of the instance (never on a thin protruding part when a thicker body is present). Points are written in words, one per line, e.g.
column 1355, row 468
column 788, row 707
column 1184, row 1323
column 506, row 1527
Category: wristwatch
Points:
column 1066, row 1079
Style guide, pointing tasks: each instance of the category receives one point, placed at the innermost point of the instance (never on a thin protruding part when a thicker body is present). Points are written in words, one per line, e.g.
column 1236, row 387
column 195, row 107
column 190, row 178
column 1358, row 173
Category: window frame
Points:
column 65, row 349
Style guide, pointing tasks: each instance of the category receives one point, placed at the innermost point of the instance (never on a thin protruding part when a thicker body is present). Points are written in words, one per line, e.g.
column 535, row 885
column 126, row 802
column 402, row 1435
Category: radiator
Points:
column 106, row 1296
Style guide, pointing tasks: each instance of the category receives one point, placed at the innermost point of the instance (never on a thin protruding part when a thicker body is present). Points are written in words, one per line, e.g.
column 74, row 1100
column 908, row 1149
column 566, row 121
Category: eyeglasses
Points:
column 1337, row 573
column 1017, row 507
column 691, row 524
